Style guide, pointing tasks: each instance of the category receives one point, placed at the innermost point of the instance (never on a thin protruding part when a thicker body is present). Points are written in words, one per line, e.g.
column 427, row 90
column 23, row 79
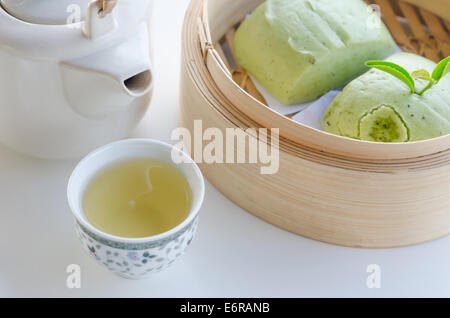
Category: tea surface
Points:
column 137, row 198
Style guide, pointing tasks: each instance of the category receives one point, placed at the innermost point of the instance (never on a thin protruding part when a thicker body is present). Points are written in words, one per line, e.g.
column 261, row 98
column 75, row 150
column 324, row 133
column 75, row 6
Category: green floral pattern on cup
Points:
column 137, row 260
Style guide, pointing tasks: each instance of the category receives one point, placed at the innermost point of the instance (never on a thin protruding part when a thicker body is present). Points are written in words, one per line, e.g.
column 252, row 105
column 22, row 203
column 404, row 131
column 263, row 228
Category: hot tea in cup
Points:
column 135, row 210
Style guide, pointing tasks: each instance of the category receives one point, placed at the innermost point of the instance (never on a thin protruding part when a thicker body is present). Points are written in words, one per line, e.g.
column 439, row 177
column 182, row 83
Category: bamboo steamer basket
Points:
column 328, row 188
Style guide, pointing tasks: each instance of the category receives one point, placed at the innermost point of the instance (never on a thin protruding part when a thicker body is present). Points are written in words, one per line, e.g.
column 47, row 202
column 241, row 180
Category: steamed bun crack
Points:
column 378, row 106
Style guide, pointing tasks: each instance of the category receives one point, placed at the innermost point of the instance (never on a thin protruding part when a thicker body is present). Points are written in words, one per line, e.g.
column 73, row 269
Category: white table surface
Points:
column 234, row 254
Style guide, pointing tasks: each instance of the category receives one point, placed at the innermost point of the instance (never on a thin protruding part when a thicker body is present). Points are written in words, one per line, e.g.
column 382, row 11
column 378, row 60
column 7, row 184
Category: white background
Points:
column 234, row 254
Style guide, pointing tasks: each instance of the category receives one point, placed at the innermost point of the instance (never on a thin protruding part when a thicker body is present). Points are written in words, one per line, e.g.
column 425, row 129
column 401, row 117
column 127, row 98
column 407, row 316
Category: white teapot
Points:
column 74, row 74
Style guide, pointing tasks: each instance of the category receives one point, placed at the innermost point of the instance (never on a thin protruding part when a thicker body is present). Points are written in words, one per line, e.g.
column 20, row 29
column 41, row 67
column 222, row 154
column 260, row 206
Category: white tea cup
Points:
column 134, row 258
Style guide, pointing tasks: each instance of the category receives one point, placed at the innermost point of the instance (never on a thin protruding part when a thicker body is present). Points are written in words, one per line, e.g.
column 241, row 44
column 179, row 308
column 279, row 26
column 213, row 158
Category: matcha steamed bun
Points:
column 379, row 107
column 300, row 49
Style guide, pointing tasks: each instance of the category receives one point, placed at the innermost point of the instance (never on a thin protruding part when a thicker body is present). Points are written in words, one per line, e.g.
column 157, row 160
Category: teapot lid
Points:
column 55, row 12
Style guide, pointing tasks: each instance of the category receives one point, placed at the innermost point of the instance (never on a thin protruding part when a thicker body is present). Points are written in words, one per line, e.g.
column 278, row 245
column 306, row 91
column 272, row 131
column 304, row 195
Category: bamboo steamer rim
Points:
column 434, row 152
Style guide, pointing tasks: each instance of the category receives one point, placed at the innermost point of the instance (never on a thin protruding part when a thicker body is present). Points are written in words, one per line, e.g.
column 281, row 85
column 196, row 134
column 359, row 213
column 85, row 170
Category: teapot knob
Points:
column 100, row 18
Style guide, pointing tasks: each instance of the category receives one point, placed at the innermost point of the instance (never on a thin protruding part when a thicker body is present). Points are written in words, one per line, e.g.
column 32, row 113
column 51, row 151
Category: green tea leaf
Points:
column 441, row 69
column 422, row 74
column 430, row 85
column 395, row 70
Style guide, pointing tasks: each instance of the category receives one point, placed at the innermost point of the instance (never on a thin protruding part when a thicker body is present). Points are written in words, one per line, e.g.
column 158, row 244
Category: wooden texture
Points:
column 438, row 7
column 329, row 188
column 105, row 6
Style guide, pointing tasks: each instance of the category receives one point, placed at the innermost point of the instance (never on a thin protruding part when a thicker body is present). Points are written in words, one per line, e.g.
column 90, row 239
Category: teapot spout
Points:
column 106, row 82
column 138, row 84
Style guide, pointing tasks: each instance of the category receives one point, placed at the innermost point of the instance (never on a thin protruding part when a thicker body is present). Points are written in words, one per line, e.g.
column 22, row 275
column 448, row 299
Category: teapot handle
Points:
column 100, row 19
column 105, row 7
